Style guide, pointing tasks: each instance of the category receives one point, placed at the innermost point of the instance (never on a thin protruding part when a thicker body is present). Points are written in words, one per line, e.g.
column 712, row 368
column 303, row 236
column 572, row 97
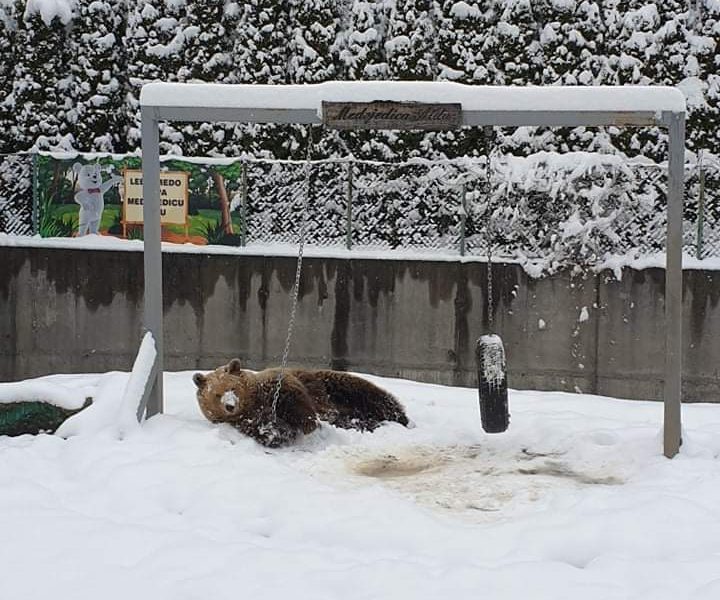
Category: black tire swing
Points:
column 489, row 349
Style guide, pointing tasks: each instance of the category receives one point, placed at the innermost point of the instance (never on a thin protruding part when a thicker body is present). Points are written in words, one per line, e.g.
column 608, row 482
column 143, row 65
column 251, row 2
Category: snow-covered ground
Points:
column 574, row 501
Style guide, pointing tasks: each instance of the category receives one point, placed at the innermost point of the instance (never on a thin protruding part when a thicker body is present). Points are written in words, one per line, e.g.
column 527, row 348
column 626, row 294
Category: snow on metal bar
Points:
column 554, row 99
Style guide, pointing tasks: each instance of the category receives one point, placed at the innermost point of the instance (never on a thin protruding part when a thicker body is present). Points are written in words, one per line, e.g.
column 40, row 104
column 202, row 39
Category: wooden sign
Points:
column 174, row 190
column 391, row 115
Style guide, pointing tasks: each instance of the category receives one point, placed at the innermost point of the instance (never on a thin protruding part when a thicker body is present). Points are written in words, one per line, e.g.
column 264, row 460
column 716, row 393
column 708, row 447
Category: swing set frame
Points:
column 482, row 106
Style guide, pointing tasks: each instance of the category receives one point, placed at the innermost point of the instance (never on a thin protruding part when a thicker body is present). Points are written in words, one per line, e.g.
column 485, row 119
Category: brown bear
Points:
column 244, row 399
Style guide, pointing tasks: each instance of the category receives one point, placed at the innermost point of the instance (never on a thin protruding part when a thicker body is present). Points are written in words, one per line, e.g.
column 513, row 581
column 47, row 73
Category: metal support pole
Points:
column 35, row 194
column 348, row 214
column 674, row 287
column 463, row 217
column 243, row 206
column 701, row 207
column 153, row 309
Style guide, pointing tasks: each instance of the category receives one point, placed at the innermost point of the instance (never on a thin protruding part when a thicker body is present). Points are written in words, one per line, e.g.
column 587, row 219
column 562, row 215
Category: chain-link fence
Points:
column 702, row 206
column 558, row 209
column 18, row 209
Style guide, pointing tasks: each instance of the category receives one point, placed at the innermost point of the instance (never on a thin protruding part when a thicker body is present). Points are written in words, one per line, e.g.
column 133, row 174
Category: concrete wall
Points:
column 79, row 311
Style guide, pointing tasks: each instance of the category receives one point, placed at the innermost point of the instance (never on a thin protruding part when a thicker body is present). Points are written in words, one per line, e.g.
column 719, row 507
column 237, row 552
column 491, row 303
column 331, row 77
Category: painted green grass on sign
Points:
column 112, row 214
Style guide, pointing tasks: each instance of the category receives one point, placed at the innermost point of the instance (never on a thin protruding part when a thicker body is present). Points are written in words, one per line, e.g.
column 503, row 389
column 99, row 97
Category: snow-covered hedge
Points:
column 74, row 68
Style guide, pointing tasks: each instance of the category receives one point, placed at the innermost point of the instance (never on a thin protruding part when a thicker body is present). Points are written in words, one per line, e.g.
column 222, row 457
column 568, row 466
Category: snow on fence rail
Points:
column 558, row 209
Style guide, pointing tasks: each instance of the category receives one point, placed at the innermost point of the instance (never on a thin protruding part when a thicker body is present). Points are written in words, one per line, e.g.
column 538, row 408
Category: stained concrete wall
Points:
column 79, row 311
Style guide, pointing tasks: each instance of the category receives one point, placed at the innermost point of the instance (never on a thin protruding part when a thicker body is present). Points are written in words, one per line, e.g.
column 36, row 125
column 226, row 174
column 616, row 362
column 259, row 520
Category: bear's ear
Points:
column 199, row 380
column 234, row 367
column 77, row 167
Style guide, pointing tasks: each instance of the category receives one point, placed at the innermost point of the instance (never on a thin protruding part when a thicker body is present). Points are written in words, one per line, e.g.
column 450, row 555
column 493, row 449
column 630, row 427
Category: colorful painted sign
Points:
column 197, row 198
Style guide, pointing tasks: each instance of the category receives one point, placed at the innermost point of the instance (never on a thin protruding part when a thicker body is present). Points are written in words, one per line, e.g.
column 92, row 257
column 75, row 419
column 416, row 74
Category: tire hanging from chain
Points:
column 489, row 349
column 298, row 271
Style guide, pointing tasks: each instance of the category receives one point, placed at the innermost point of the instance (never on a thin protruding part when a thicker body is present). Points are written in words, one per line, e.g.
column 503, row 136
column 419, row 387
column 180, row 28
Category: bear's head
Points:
column 89, row 176
column 226, row 393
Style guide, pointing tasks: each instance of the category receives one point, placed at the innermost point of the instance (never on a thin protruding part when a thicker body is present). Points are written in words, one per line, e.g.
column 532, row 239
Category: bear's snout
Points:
column 229, row 401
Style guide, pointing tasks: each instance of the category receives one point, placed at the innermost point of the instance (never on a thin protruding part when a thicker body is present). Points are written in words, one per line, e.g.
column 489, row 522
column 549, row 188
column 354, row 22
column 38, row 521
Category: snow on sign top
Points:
column 555, row 99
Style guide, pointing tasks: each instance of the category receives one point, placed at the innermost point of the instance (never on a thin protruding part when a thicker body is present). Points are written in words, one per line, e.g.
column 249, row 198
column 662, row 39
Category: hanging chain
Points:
column 488, row 230
column 490, row 287
column 298, row 271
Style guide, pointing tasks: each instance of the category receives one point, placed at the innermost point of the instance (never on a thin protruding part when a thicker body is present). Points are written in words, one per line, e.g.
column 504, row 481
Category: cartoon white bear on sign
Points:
column 90, row 195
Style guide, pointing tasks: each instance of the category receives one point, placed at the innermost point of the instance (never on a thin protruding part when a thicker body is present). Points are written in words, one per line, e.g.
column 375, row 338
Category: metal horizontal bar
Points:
column 239, row 115
column 558, row 118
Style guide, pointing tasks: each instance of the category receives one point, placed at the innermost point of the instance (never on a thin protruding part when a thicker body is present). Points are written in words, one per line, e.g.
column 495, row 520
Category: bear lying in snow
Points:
column 244, row 399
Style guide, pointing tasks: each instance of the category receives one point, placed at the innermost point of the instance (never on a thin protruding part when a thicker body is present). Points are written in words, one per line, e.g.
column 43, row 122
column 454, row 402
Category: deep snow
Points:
column 574, row 501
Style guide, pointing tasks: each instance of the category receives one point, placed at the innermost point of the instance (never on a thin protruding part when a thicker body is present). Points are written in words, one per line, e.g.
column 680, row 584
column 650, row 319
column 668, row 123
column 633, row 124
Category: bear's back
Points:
column 349, row 401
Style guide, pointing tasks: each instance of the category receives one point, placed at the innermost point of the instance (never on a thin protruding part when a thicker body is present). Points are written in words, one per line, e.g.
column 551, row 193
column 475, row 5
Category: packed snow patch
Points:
column 46, row 390
column 571, row 495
